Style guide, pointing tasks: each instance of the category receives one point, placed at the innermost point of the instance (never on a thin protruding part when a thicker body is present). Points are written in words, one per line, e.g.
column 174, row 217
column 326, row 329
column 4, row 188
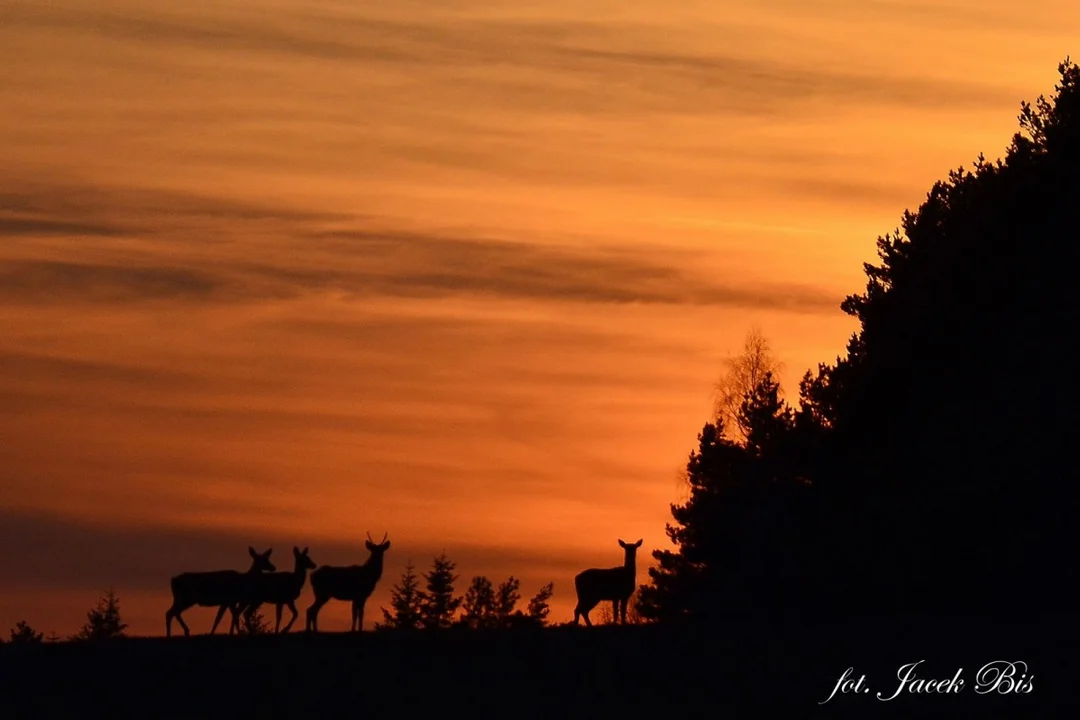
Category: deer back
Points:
column 276, row 586
column 354, row 582
column 216, row 587
column 605, row 583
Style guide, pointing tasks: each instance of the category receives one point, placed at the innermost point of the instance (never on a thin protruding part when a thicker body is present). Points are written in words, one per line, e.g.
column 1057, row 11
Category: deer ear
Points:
column 268, row 551
column 622, row 544
column 305, row 550
column 638, row 543
column 252, row 552
column 386, row 545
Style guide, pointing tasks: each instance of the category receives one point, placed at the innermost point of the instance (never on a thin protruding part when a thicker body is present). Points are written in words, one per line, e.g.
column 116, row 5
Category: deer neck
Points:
column 374, row 566
column 299, row 573
column 630, row 566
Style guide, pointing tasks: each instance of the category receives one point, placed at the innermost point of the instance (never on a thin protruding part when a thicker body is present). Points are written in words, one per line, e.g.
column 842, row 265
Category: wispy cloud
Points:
column 43, row 205
column 52, row 281
column 359, row 261
column 543, row 64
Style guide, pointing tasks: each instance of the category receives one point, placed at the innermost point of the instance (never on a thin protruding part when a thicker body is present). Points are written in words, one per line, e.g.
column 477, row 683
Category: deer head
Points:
column 303, row 562
column 379, row 547
column 631, row 550
column 261, row 561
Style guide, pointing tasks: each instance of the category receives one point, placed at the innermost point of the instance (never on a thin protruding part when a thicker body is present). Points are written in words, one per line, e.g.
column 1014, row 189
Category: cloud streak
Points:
column 361, row 262
column 502, row 55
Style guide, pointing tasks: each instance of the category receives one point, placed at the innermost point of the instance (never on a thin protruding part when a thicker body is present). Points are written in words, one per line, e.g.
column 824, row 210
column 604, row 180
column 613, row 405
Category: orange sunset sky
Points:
column 281, row 272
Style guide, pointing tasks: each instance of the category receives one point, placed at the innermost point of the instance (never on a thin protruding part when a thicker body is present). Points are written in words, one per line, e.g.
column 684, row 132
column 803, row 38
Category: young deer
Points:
column 354, row 583
column 614, row 584
column 223, row 589
column 279, row 588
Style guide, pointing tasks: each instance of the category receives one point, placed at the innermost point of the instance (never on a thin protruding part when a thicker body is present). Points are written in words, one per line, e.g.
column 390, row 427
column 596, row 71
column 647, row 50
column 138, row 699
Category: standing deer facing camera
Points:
column 614, row 584
column 279, row 588
column 353, row 583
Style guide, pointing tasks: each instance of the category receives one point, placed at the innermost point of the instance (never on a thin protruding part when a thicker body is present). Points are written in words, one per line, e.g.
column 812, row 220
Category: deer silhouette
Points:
column 353, row 583
column 614, row 584
column 223, row 589
column 278, row 589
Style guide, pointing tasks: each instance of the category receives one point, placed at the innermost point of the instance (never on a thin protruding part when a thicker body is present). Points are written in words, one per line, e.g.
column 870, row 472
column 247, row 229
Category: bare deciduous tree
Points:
column 742, row 373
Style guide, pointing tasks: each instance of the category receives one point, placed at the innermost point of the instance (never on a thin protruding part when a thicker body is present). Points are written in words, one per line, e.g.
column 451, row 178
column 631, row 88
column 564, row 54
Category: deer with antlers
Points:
column 279, row 589
column 223, row 589
column 353, row 583
column 614, row 584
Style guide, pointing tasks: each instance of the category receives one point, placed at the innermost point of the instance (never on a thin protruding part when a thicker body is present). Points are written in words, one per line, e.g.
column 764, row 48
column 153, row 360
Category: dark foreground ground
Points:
column 750, row 669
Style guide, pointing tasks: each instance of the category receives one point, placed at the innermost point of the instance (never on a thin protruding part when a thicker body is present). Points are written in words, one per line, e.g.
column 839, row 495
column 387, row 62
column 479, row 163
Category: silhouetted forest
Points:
column 931, row 468
column 928, row 471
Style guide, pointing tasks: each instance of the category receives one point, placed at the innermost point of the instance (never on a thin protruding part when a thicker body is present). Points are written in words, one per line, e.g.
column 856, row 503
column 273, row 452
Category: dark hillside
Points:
column 750, row 669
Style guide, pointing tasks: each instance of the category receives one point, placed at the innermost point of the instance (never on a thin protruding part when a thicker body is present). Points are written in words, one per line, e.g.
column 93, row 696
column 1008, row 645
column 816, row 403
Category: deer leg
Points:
column 220, row 614
column 174, row 612
column 292, row 609
column 622, row 611
column 183, row 625
column 313, row 614
column 168, row 622
column 360, row 616
column 277, row 623
column 583, row 608
column 236, row 611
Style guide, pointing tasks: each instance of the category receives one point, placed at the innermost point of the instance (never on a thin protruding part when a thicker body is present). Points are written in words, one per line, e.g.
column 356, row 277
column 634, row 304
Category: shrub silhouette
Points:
column 103, row 621
column 253, row 623
column 23, row 634
column 538, row 609
column 487, row 607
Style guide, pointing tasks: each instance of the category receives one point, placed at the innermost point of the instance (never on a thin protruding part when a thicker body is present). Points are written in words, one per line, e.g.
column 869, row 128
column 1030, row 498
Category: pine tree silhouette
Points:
column 405, row 603
column 438, row 603
column 103, row 621
column 478, row 609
